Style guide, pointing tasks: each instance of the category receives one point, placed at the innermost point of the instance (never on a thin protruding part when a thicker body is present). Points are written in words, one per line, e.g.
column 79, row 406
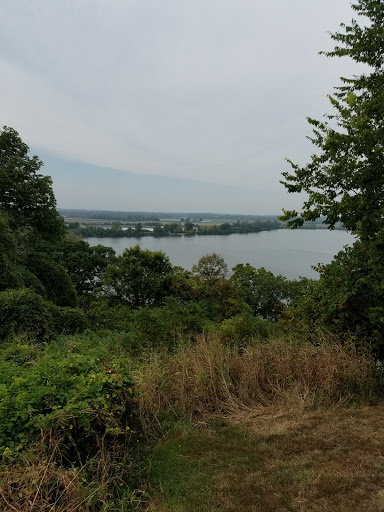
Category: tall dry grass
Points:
column 208, row 376
column 43, row 481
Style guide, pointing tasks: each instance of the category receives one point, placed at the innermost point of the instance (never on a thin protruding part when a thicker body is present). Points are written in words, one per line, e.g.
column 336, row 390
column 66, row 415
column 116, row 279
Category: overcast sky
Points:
column 168, row 105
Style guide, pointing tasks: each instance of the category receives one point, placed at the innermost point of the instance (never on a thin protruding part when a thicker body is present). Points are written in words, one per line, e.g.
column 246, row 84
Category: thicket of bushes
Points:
column 69, row 407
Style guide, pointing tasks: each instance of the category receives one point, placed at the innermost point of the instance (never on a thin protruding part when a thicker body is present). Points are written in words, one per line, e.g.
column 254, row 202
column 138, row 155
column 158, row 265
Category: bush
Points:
column 69, row 320
column 23, row 311
column 172, row 322
column 9, row 270
column 152, row 326
column 347, row 300
column 104, row 314
column 68, row 421
column 31, row 281
column 76, row 392
column 57, row 283
column 243, row 327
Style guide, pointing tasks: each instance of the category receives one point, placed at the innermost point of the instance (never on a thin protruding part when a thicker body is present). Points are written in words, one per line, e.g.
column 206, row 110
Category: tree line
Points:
column 117, row 230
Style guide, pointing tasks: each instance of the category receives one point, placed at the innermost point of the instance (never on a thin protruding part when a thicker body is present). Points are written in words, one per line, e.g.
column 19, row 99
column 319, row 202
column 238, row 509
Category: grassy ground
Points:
column 324, row 461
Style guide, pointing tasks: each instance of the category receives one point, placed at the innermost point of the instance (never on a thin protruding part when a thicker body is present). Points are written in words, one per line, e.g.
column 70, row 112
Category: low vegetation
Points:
column 69, row 429
column 209, row 377
column 273, row 459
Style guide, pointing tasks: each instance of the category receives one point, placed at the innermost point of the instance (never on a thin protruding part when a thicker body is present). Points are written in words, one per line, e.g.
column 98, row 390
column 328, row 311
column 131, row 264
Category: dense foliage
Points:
column 344, row 182
column 139, row 277
column 73, row 386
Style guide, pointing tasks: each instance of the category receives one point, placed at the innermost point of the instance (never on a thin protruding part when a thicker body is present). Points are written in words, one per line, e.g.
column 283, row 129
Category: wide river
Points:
column 282, row 251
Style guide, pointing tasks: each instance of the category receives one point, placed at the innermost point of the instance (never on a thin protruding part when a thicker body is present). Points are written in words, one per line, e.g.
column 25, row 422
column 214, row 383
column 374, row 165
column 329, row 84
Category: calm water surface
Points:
column 282, row 251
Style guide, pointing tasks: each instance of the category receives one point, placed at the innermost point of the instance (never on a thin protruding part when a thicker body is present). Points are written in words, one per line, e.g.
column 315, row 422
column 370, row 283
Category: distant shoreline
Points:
column 172, row 229
column 98, row 232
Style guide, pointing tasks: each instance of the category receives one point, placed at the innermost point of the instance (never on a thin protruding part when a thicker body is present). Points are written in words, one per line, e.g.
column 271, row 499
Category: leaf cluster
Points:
column 344, row 181
column 73, row 388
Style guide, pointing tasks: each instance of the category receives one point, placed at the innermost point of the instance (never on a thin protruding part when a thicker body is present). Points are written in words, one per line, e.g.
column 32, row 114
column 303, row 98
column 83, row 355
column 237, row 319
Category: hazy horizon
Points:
column 173, row 212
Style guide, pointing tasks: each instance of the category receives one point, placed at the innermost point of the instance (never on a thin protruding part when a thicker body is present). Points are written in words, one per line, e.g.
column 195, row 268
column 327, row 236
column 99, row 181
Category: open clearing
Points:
column 271, row 461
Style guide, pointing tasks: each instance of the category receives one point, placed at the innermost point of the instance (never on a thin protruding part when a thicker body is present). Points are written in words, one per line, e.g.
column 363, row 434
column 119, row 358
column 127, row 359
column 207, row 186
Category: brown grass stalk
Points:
column 209, row 376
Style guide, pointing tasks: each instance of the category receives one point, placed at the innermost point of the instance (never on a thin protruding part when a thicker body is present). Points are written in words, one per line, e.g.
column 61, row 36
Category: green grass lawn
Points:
column 319, row 461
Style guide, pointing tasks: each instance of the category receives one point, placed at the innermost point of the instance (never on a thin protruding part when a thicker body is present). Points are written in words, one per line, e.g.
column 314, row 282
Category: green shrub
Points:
column 243, row 327
column 57, row 283
column 72, row 389
column 68, row 421
column 69, row 320
column 168, row 324
column 31, row 281
column 104, row 314
column 9, row 270
column 9, row 274
column 24, row 311
column 152, row 326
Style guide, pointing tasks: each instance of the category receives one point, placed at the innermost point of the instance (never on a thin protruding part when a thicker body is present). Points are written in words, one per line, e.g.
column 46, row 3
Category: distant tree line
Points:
column 240, row 227
column 188, row 228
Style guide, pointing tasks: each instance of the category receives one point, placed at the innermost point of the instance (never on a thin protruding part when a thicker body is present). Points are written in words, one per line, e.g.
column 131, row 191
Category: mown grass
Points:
column 320, row 461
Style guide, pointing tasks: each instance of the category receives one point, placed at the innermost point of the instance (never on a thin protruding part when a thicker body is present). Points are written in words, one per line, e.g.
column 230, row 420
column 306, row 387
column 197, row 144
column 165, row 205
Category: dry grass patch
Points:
column 41, row 486
column 319, row 461
column 211, row 377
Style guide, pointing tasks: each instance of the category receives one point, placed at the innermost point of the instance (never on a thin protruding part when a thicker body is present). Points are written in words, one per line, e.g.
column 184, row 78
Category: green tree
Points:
column 348, row 298
column 30, row 225
column 225, row 228
column 182, row 285
column 10, row 272
column 188, row 226
column 24, row 312
column 174, row 227
column 210, row 268
column 345, row 182
column 57, row 285
column 25, row 195
column 85, row 264
column 140, row 277
column 264, row 292
column 138, row 228
column 214, row 290
column 344, row 179
column 158, row 231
